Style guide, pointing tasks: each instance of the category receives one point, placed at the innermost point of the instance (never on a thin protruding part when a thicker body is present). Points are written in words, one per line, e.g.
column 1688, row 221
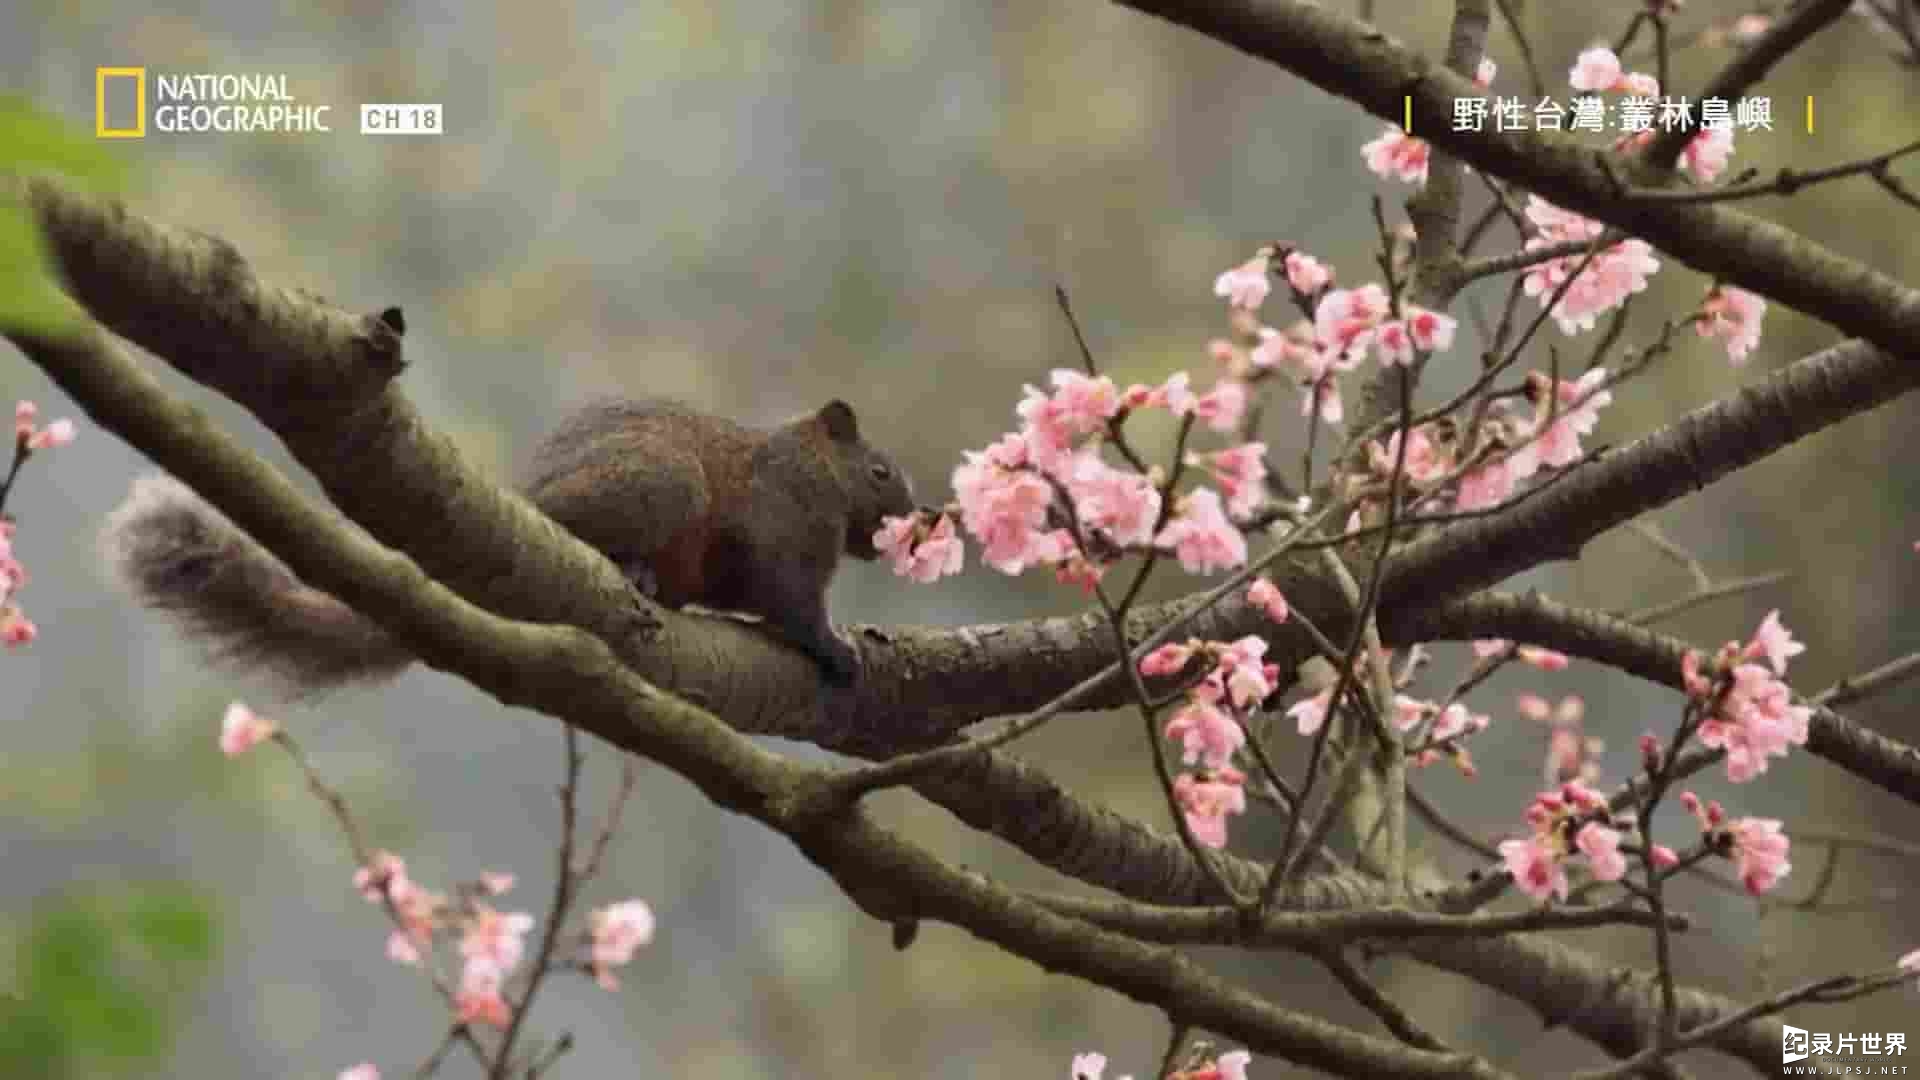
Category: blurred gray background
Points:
column 757, row 206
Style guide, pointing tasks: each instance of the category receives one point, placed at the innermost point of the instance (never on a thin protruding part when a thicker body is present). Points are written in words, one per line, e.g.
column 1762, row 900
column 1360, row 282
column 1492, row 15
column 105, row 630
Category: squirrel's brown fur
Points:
column 694, row 508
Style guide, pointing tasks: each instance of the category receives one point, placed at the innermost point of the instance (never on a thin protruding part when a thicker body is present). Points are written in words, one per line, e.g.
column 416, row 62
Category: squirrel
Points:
column 693, row 508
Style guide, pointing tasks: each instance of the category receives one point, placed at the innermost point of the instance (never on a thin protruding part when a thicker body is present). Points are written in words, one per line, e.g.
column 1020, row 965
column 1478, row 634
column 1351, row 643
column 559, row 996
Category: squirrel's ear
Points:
column 837, row 417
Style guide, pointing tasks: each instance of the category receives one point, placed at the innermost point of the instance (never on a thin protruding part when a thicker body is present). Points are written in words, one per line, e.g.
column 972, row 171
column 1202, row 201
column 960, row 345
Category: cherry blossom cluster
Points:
column 1739, row 705
column 1747, row 709
column 1570, row 821
column 1511, row 445
column 1609, row 277
column 1598, row 70
column 1344, row 327
column 15, row 628
column 1231, row 1065
column 491, row 943
column 1211, row 725
column 1447, row 726
column 1756, row 845
column 1044, row 495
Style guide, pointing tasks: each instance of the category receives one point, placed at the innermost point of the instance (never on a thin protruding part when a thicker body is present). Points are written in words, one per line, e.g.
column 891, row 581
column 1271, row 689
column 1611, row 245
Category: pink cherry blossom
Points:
column 1393, row 344
column 58, row 433
column 1089, row 1066
column 1324, row 397
column 1087, row 402
column 1396, row 155
column 384, row 875
column 1775, row 642
column 1222, row 407
column 1639, row 84
column 1609, row 278
column 1696, row 685
column 1004, row 505
column 242, row 729
column 1310, row 713
column 1705, row 156
column 1427, row 463
column 1759, row 852
column 1306, row 274
column 1122, row 502
column 496, row 882
column 1250, row 680
column 1202, row 537
column 1241, row 473
column 1344, row 321
column 1232, row 1065
column 1408, row 712
column 1487, row 486
column 1266, row 596
column 1207, row 734
column 384, row 880
column 615, row 931
column 1246, row 286
column 1456, row 720
column 1910, row 962
column 1174, row 395
column 1756, row 720
column 1601, row 846
column 478, row 1001
column 1595, row 71
column 363, row 1071
column 1733, row 315
column 1053, row 423
column 938, row 554
column 894, row 540
column 1544, row 659
column 1207, row 803
column 1166, row 660
column 1483, row 75
column 1665, row 857
column 1283, row 351
column 497, row 938
column 1748, row 27
column 1431, row 331
column 1559, row 444
column 1535, row 868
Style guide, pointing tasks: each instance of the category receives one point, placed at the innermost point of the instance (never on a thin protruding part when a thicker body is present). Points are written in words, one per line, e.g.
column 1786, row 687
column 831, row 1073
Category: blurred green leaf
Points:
column 30, row 302
column 101, row 979
column 33, row 141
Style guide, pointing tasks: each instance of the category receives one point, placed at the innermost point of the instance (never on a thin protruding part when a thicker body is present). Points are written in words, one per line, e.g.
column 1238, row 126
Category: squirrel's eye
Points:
column 880, row 470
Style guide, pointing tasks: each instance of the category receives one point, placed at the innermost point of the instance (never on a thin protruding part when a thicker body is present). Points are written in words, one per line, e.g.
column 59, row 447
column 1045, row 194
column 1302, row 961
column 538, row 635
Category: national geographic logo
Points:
column 120, row 102
column 199, row 102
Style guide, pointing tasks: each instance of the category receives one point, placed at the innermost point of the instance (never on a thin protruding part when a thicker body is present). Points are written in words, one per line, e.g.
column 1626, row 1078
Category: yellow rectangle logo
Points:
column 112, row 122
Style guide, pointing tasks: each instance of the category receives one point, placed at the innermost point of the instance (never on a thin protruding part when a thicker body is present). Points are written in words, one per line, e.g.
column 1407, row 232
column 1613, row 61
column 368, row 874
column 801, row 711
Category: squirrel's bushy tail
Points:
column 230, row 595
